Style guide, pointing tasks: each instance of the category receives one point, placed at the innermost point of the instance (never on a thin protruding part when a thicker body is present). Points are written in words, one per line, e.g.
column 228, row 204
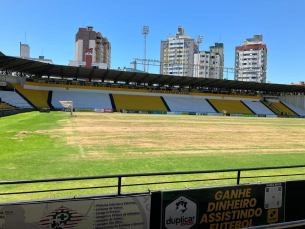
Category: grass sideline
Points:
column 41, row 145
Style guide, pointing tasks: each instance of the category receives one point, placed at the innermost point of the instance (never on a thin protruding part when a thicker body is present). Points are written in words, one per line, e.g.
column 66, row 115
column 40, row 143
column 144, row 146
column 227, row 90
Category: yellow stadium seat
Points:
column 5, row 106
column 138, row 103
column 38, row 98
column 230, row 106
column 284, row 109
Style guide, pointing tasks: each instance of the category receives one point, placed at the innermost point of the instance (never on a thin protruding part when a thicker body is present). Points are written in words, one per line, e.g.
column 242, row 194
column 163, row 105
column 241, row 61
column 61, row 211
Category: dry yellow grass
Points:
column 136, row 135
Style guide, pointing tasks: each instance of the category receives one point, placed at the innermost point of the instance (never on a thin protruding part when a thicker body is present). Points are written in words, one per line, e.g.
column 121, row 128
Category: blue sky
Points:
column 51, row 27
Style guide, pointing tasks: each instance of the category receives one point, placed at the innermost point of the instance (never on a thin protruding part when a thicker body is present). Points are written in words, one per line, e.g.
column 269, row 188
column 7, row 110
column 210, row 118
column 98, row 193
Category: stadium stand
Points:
column 257, row 107
column 279, row 107
column 230, row 106
column 15, row 100
column 82, row 99
column 5, row 106
column 184, row 103
column 38, row 98
column 138, row 103
column 295, row 109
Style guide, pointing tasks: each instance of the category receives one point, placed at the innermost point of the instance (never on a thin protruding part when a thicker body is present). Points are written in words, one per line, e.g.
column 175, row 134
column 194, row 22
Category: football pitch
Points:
column 41, row 146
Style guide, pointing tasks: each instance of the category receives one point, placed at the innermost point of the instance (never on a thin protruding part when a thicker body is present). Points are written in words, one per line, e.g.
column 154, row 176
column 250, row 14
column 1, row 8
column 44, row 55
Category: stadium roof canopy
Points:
column 43, row 69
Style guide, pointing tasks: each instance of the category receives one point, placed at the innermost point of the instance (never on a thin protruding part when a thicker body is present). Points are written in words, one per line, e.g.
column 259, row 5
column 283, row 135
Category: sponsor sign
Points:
column 226, row 207
column 215, row 114
column 295, row 201
column 84, row 110
column 198, row 113
column 103, row 110
column 174, row 113
column 156, row 112
column 271, row 116
column 249, row 115
column 3, row 84
column 180, row 213
column 125, row 212
column 239, row 115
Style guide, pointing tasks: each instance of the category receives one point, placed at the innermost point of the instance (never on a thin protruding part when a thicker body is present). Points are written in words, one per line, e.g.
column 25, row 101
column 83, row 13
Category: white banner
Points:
column 110, row 213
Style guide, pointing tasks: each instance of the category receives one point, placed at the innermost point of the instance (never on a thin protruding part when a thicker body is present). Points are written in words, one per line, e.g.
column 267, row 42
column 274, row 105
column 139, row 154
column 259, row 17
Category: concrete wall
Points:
column 296, row 100
column 10, row 78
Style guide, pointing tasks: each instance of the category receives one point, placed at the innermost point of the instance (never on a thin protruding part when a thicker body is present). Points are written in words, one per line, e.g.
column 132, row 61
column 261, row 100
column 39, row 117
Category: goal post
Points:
column 69, row 105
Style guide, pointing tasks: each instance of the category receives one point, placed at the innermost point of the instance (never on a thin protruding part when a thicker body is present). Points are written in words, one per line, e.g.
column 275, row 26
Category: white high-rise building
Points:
column 24, row 50
column 251, row 60
column 177, row 54
column 209, row 64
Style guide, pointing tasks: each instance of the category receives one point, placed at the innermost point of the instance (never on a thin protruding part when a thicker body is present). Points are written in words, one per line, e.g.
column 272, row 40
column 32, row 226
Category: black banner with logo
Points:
column 295, row 200
column 224, row 207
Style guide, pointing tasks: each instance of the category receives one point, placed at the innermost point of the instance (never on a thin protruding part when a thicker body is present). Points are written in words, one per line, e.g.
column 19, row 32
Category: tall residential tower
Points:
column 177, row 54
column 210, row 64
column 86, row 38
column 251, row 60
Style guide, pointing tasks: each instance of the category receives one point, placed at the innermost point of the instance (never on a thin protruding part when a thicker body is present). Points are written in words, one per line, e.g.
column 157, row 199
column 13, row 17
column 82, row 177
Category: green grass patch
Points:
column 41, row 146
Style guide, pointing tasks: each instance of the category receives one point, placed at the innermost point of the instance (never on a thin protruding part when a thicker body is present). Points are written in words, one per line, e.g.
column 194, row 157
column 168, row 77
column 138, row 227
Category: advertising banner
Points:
column 84, row 110
column 174, row 113
column 198, row 113
column 156, row 112
column 215, row 114
column 3, row 84
column 103, row 110
column 271, row 116
column 250, row 115
column 238, row 115
column 295, row 200
column 224, row 207
column 108, row 213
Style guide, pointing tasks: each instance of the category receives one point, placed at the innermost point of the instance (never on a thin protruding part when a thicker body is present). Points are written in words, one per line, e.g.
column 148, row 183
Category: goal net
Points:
column 68, row 105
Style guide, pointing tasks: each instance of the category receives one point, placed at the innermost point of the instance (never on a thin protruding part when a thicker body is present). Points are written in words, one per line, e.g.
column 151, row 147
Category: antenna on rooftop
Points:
column 25, row 37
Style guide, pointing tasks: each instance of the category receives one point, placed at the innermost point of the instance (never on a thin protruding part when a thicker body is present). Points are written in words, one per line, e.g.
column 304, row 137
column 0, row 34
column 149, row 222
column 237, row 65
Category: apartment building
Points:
column 209, row 64
column 251, row 60
column 177, row 54
column 86, row 38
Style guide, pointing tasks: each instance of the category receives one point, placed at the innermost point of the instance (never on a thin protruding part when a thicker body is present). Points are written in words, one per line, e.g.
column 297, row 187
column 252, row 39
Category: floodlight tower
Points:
column 199, row 41
column 145, row 32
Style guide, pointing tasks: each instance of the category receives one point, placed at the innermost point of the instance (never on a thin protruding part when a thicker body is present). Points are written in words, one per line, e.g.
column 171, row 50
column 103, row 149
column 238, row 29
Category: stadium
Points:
column 78, row 136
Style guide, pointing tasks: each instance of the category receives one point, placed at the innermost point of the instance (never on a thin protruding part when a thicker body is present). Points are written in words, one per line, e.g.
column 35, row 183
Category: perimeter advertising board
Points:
column 108, row 213
column 225, row 207
column 103, row 110
column 295, row 200
column 84, row 110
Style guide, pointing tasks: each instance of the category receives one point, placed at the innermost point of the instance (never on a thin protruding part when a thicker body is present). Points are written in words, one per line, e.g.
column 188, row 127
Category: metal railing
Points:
column 119, row 185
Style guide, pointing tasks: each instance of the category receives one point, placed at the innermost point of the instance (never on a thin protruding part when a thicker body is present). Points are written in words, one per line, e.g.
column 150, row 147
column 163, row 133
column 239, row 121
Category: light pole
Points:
column 199, row 40
column 145, row 32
